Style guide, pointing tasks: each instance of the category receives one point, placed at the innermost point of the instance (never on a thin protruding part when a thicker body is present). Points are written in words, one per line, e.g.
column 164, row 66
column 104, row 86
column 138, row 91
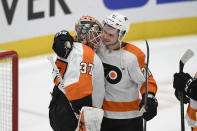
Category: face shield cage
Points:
column 88, row 32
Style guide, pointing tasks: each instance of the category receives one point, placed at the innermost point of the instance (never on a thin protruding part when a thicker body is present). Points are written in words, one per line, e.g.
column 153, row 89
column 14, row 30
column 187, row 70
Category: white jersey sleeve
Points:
column 135, row 71
column 98, row 83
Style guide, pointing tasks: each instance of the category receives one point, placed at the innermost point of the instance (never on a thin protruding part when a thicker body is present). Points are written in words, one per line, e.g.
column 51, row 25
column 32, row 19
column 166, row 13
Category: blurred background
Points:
column 28, row 27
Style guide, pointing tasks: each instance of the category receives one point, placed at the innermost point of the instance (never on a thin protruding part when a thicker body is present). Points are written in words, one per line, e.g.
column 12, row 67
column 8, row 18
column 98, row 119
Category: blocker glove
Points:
column 63, row 43
column 151, row 106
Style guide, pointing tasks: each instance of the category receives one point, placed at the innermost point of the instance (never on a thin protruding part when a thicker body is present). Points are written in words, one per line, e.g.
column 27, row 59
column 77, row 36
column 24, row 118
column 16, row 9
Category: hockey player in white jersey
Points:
column 185, row 83
column 82, row 77
column 124, row 67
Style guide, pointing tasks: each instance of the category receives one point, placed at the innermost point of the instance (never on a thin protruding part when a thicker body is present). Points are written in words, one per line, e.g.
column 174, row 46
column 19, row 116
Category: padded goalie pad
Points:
column 90, row 119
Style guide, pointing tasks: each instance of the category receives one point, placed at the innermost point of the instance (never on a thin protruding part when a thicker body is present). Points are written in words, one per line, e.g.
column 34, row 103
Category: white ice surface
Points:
column 35, row 85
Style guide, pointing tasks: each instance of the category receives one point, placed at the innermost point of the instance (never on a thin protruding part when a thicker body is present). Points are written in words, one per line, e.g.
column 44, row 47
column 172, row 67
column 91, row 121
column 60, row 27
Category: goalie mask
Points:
column 88, row 31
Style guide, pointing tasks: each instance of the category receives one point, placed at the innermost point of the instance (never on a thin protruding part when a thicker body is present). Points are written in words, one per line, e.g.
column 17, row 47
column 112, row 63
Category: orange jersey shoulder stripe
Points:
column 137, row 52
column 83, row 87
column 152, row 86
column 121, row 106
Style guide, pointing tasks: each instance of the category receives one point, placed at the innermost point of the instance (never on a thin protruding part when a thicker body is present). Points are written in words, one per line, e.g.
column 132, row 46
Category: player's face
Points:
column 110, row 37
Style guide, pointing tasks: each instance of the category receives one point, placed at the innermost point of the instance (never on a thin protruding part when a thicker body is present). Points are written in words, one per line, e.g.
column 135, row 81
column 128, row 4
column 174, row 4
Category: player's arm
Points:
column 98, row 83
column 63, row 43
column 138, row 70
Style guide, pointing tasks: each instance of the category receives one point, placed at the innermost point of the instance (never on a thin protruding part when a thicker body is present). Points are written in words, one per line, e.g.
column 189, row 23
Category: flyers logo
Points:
column 122, row 4
column 112, row 73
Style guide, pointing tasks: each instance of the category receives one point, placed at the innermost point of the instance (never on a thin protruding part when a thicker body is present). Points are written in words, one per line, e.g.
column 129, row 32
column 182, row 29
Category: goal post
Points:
column 8, row 91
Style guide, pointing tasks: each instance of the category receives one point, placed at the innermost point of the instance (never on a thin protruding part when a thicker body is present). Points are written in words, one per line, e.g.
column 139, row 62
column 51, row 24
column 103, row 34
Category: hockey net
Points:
column 8, row 91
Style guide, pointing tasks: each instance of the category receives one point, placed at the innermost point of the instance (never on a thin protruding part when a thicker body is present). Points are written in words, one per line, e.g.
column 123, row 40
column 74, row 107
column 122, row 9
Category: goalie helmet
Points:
column 88, row 31
column 117, row 21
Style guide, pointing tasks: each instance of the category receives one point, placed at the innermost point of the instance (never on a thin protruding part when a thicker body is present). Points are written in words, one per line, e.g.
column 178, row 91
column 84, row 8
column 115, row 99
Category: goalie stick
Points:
column 186, row 56
column 50, row 58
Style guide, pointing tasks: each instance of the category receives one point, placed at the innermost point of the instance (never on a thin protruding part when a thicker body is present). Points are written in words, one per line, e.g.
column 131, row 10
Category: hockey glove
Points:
column 63, row 43
column 180, row 81
column 151, row 106
column 178, row 96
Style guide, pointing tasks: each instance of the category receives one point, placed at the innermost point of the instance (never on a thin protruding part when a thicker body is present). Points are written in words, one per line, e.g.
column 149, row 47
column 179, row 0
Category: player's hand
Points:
column 63, row 43
column 151, row 106
column 178, row 96
column 181, row 80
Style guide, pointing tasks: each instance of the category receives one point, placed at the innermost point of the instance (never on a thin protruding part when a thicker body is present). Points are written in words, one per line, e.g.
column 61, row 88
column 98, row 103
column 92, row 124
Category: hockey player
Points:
column 82, row 77
column 124, row 67
column 185, row 83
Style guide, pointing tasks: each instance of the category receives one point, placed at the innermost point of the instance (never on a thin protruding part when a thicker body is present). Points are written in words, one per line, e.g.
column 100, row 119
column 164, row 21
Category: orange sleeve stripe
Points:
column 84, row 86
column 137, row 52
column 121, row 106
column 63, row 67
column 191, row 113
column 152, row 86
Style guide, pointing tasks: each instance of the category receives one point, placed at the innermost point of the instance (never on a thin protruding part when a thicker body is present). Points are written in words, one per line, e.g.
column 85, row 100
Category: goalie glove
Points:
column 90, row 119
column 151, row 106
column 63, row 43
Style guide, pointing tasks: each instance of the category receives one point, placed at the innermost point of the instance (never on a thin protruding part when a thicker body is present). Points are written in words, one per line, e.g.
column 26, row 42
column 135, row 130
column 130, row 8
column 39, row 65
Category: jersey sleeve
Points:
column 152, row 86
column 98, row 83
column 139, row 67
column 135, row 72
column 191, row 115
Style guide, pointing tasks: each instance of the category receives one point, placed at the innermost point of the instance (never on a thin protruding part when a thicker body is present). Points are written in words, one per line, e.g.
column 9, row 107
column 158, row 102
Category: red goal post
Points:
column 8, row 91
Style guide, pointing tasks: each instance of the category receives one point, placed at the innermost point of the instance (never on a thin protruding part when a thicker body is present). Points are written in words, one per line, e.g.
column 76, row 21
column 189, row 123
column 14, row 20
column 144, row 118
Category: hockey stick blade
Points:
column 186, row 56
